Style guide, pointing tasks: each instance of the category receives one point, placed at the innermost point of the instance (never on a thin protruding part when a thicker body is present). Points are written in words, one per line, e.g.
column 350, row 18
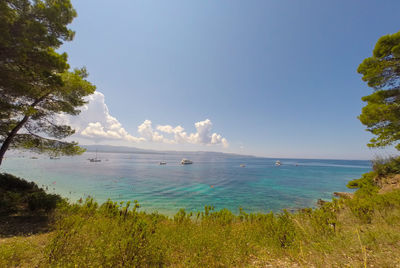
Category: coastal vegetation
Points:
column 362, row 230
column 18, row 195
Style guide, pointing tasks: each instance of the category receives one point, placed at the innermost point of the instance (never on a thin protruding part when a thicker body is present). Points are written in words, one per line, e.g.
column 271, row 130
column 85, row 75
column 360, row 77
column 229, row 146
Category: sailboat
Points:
column 95, row 159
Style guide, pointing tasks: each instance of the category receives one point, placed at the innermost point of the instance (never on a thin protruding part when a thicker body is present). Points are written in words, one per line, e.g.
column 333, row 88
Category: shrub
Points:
column 222, row 217
column 386, row 166
column 10, row 182
column 324, row 219
column 284, row 231
column 40, row 200
column 17, row 195
column 182, row 217
column 366, row 185
column 111, row 235
column 362, row 208
column 367, row 180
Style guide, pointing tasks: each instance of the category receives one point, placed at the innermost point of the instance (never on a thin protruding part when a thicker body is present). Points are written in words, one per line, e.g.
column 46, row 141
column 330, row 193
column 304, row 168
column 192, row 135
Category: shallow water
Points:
column 213, row 179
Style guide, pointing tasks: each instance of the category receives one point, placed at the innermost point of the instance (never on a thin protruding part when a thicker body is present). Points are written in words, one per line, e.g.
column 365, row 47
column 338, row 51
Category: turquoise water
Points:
column 213, row 179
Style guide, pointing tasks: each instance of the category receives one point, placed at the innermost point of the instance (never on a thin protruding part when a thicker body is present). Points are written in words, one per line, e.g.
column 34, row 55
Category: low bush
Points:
column 111, row 235
column 18, row 195
column 42, row 201
column 386, row 166
column 12, row 183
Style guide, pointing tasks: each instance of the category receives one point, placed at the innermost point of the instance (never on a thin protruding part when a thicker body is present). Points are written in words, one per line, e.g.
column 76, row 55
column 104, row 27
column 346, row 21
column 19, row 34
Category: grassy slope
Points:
column 361, row 231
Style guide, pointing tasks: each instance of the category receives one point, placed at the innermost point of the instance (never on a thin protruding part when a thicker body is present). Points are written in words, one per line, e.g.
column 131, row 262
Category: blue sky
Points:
column 274, row 78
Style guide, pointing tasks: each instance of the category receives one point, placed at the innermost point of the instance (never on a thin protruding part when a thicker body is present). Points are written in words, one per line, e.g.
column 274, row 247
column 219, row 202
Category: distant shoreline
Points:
column 133, row 150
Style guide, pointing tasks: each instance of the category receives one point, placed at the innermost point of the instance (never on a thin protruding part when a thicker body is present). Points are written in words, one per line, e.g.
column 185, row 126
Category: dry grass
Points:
column 24, row 251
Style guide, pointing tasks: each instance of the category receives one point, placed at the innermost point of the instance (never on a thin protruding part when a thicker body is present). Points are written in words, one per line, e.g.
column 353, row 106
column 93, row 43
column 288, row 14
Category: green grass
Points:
column 341, row 232
column 358, row 232
column 23, row 251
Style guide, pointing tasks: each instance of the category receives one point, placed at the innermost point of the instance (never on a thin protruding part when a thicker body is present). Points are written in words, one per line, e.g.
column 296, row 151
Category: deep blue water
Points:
column 216, row 180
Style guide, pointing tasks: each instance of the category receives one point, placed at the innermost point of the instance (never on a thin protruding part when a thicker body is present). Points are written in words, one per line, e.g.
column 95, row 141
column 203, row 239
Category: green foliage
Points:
column 365, row 182
column 386, row 166
column 381, row 115
column 325, row 219
column 285, row 230
column 117, row 234
column 366, row 199
column 10, row 182
column 181, row 217
column 362, row 208
column 42, row 201
column 18, row 195
column 35, row 80
column 222, row 217
column 89, row 230
column 365, row 206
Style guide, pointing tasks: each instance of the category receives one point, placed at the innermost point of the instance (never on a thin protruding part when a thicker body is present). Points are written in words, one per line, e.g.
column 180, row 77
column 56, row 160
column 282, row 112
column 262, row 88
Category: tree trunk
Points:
column 8, row 140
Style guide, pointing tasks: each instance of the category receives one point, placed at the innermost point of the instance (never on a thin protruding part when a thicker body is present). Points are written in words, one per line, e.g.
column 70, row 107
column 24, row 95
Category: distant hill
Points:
column 134, row 150
column 116, row 149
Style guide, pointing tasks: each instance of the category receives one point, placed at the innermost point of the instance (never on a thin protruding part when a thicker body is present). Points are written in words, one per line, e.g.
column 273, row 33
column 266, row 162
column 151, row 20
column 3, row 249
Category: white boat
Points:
column 186, row 162
column 242, row 165
column 278, row 163
column 163, row 163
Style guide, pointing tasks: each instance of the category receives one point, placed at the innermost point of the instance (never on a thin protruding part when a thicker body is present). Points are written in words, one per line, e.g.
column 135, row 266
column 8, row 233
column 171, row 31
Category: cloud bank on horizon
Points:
column 95, row 122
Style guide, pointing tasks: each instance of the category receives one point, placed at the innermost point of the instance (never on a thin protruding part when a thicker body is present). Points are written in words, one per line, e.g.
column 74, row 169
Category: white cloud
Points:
column 147, row 132
column 95, row 122
column 203, row 134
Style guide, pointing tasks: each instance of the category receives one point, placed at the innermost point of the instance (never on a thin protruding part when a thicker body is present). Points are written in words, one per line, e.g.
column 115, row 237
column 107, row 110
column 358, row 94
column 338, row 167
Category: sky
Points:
column 266, row 78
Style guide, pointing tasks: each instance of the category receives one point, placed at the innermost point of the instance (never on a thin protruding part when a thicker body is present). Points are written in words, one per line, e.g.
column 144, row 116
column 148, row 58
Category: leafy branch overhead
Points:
column 36, row 83
column 381, row 115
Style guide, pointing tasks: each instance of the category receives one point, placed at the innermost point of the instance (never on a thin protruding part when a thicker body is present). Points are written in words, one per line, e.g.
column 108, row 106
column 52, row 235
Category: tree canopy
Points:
column 381, row 114
column 36, row 83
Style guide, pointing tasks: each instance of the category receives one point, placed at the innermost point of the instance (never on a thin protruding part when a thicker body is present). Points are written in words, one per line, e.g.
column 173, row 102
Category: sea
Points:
column 220, row 180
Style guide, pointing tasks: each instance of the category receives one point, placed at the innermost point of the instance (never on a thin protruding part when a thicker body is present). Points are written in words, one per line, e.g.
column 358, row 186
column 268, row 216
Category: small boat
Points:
column 242, row 165
column 94, row 160
column 163, row 163
column 54, row 157
column 186, row 162
column 278, row 163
